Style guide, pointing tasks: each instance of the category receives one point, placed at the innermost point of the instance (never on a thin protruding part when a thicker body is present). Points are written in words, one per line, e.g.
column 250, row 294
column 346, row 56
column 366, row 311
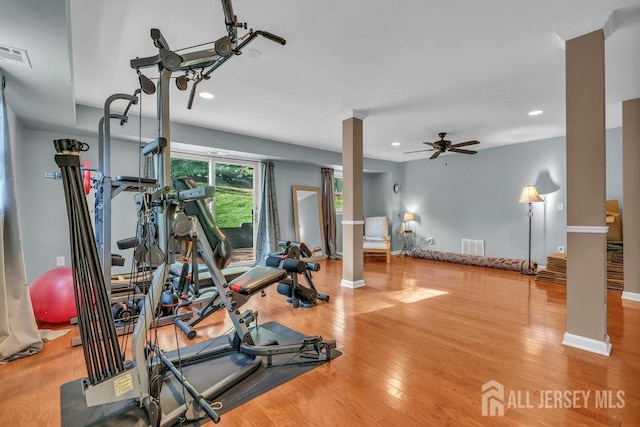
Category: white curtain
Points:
column 268, row 222
column 19, row 335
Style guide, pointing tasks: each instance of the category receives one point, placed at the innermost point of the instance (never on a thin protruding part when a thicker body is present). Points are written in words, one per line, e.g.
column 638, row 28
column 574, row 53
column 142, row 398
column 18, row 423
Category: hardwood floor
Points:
column 419, row 341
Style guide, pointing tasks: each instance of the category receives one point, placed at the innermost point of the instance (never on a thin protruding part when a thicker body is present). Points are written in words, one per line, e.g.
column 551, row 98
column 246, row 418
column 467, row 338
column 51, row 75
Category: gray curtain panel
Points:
column 268, row 222
column 19, row 335
column 329, row 213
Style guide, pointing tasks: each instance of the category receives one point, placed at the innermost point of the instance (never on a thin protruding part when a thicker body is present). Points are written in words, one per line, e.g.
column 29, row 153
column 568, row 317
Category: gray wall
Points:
column 476, row 196
column 88, row 117
column 41, row 202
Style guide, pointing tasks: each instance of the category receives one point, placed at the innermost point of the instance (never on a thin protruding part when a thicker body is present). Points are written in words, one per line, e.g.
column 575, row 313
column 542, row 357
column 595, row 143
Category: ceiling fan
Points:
column 443, row 146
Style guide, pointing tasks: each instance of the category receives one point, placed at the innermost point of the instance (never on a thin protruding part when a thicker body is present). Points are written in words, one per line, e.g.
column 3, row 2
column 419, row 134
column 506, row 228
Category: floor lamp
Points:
column 530, row 196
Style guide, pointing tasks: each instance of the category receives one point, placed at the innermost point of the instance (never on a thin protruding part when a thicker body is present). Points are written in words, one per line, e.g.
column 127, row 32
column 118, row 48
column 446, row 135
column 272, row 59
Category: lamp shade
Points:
column 529, row 195
column 408, row 216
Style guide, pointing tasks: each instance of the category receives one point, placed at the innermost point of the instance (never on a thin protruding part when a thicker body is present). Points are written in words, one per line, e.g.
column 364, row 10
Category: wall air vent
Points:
column 472, row 247
column 12, row 55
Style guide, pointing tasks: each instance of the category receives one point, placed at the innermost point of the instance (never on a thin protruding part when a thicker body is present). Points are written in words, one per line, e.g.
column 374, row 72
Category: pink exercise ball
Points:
column 52, row 296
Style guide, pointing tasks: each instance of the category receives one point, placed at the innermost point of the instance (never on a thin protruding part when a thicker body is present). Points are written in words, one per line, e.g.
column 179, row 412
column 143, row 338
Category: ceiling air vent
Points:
column 12, row 55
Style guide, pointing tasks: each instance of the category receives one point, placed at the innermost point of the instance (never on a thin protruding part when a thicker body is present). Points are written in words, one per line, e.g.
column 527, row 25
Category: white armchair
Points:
column 376, row 237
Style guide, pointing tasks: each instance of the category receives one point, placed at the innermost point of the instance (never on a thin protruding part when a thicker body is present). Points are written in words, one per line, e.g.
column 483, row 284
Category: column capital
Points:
column 356, row 114
column 606, row 22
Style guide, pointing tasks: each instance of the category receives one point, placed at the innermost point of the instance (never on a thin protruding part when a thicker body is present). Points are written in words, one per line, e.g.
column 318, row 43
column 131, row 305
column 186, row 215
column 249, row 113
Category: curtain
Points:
column 329, row 213
column 268, row 222
column 19, row 335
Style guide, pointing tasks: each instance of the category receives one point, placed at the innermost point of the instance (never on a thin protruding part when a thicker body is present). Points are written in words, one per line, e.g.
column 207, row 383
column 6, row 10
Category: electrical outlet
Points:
column 560, row 249
column 60, row 261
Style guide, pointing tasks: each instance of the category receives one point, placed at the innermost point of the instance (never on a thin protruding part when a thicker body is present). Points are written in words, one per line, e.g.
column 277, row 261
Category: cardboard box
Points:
column 614, row 221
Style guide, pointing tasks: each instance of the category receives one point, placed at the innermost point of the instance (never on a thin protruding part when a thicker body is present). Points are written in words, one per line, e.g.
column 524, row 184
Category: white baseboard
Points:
column 631, row 296
column 353, row 285
column 588, row 344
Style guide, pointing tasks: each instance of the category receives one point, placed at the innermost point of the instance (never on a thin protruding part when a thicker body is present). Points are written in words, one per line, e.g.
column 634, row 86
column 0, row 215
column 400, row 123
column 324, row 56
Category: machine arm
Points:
column 222, row 60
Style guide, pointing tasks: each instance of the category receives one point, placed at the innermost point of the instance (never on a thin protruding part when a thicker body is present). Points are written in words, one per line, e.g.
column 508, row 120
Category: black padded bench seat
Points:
column 256, row 279
column 204, row 277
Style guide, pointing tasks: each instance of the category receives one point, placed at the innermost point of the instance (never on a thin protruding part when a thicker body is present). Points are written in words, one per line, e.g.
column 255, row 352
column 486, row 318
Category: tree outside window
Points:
column 337, row 191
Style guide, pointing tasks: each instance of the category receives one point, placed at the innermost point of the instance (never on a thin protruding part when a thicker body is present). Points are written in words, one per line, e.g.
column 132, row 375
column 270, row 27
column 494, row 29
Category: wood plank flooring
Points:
column 419, row 341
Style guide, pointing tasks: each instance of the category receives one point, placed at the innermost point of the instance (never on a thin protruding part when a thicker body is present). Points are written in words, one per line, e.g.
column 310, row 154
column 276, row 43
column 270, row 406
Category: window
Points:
column 337, row 191
column 236, row 196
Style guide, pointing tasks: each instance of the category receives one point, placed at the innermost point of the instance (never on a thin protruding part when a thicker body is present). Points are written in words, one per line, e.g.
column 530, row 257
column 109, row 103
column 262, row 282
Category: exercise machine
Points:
column 297, row 294
column 178, row 386
column 192, row 294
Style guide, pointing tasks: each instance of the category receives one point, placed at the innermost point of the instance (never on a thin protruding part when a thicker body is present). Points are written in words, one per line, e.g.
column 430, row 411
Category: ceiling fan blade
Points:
column 416, row 151
column 462, row 144
column 457, row 150
column 433, row 144
column 436, row 154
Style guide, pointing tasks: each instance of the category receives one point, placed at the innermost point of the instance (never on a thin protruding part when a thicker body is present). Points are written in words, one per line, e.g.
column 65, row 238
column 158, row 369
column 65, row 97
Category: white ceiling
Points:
column 470, row 68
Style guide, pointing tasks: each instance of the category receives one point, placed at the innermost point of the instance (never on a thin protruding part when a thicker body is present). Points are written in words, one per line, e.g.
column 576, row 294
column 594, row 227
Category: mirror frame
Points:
column 296, row 219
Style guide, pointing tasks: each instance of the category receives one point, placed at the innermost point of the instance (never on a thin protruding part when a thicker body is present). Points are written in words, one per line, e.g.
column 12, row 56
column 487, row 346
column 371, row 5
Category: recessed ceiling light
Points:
column 535, row 112
column 206, row 95
column 395, row 143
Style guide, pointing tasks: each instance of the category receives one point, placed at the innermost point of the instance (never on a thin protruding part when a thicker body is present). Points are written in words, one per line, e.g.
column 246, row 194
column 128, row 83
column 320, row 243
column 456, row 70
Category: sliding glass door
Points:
column 235, row 206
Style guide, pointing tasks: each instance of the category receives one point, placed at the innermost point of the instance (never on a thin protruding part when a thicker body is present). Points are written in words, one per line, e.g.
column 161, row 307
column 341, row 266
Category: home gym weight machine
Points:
column 297, row 294
column 131, row 288
column 126, row 292
column 188, row 284
column 213, row 366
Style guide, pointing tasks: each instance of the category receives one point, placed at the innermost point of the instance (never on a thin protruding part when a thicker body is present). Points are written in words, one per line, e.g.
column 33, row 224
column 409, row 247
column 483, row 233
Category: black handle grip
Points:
column 183, row 284
column 186, row 329
column 272, row 37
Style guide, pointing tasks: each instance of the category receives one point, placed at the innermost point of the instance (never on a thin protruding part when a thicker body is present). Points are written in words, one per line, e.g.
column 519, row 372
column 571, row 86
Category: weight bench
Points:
column 255, row 280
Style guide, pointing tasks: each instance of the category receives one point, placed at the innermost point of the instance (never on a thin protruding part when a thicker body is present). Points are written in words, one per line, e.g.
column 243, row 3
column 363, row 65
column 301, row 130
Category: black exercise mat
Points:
column 75, row 413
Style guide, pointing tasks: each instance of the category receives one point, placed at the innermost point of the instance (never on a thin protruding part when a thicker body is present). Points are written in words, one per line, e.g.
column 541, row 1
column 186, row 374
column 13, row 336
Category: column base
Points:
column 587, row 344
column 353, row 285
column 631, row 296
